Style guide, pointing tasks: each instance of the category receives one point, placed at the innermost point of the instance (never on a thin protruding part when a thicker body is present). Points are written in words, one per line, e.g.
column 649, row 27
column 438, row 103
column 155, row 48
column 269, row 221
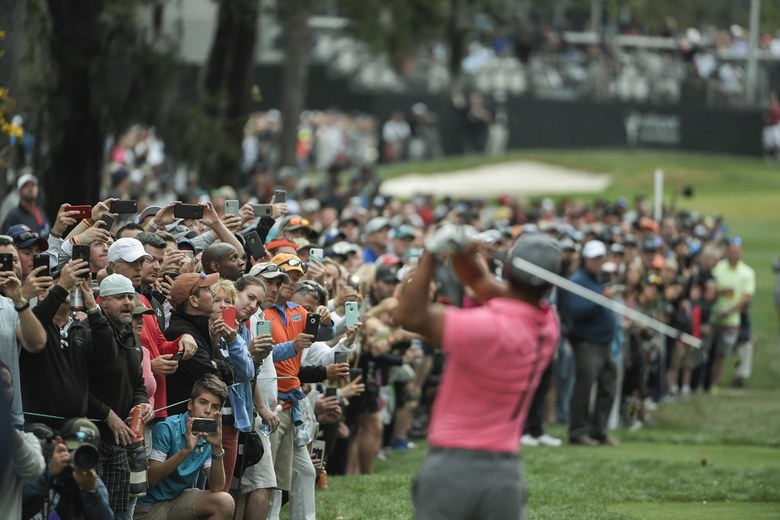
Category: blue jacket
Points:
column 240, row 393
column 589, row 321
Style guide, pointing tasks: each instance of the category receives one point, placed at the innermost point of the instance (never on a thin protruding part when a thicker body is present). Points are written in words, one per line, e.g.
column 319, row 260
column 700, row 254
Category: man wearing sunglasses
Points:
column 288, row 322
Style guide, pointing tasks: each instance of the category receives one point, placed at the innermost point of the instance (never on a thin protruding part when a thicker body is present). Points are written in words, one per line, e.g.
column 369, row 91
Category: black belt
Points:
column 481, row 454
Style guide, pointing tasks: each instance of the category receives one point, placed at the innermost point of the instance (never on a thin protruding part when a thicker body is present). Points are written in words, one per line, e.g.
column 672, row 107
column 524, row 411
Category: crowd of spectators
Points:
column 267, row 313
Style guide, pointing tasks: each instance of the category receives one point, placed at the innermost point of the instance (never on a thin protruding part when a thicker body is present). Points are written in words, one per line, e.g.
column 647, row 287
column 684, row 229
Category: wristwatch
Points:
column 219, row 456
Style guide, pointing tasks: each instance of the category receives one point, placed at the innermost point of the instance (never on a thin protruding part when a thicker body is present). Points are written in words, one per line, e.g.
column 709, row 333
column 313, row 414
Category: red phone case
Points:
column 229, row 316
column 84, row 211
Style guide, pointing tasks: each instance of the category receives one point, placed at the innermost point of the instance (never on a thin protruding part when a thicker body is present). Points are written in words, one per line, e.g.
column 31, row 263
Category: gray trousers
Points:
column 593, row 365
column 455, row 484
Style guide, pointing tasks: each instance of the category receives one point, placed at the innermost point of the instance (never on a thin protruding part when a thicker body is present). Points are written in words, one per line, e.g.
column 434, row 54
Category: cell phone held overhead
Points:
column 188, row 211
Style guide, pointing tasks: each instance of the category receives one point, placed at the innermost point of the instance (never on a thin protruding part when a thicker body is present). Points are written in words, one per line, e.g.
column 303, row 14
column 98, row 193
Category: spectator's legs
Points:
column 534, row 423
column 745, row 367
column 587, row 364
column 605, row 393
column 368, row 442
column 215, row 506
column 257, row 504
column 302, row 503
column 403, row 418
column 230, row 443
column 564, row 372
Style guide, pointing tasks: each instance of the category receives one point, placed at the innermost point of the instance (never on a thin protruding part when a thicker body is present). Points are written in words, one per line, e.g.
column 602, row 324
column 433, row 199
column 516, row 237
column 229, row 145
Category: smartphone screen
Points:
column 229, row 316
column 331, row 391
column 280, row 196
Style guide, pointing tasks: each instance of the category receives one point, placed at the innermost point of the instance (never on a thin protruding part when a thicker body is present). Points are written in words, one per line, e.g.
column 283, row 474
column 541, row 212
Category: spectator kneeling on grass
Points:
column 184, row 445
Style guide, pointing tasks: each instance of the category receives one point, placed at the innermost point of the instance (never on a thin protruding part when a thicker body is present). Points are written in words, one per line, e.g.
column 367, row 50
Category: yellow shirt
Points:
column 741, row 280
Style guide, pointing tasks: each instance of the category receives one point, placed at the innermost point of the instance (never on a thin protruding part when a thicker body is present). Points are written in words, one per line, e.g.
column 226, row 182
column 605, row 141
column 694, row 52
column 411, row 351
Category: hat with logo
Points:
column 185, row 284
column 139, row 308
column 127, row 250
column 594, row 249
column 114, row 284
column 293, row 222
column 25, row 237
column 269, row 271
column 538, row 249
column 78, row 430
column 289, row 262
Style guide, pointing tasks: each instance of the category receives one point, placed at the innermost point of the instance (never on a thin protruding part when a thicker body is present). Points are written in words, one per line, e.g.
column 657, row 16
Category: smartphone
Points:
column 188, row 211
column 109, row 220
column 340, row 357
column 280, row 196
column 124, row 206
column 351, row 313
column 312, row 324
column 231, row 207
column 170, row 274
column 41, row 259
column 263, row 328
column 179, row 355
column 318, row 452
column 82, row 252
column 254, row 245
column 84, row 211
column 204, row 426
column 6, row 262
column 316, row 254
column 229, row 317
column 263, row 210
column 331, row 391
column 354, row 373
column 354, row 281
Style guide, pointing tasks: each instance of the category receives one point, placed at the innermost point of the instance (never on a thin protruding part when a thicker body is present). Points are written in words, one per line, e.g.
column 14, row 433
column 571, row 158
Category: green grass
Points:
column 709, row 457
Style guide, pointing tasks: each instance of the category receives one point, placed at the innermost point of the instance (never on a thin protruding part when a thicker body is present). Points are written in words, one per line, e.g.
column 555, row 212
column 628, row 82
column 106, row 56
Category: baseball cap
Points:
column 293, row 222
column 139, row 308
column 281, row 242
column 567, row 244
column 78, row 430
column 538, row 249
column 269, row 271
column 302, row 243
column 185, row 284
column 403, row 231
column 649, row 246
column 289, row 262
column 183, row 242
column 127, row 250
column 377, row 224
column 148, row 211
column 386, row 273
column 24, row 179
column 114, row 284
column 594, row 249
column 25, row 237
column 344, row 248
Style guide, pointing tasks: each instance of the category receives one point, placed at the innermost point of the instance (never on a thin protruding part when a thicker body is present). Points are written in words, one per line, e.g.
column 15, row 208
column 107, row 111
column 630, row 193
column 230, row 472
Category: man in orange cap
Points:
column 193, row 303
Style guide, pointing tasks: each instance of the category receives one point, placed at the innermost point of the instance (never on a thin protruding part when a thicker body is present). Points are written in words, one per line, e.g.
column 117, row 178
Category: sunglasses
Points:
column 299, row 221
column 294, row 262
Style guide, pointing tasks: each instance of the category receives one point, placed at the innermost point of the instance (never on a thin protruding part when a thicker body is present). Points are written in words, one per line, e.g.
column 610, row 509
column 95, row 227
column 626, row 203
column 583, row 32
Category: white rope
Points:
column 612, row 305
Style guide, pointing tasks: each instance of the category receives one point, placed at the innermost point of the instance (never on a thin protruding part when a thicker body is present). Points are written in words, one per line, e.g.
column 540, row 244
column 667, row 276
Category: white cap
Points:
column 594, row 249
column 127, row 250
column 114, row 284
column 24, row 179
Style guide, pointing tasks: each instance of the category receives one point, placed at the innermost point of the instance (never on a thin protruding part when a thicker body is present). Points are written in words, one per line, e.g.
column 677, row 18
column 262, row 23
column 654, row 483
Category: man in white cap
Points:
column 126, row 257
column 115, row 390
column 28, row 212
column 591, row 333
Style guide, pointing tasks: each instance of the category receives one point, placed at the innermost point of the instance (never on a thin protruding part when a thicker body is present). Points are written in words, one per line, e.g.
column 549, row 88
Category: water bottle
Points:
column 76, row 299
column 265, row 429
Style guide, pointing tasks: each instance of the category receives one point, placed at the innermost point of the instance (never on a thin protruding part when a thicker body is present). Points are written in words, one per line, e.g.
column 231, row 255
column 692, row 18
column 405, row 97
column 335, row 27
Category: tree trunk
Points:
column 226, row 86
column 296, row 75
column 75, row 132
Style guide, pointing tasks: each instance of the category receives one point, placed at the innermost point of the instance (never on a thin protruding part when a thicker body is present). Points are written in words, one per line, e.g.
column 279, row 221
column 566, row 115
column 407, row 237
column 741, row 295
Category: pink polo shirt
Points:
column 496, row 355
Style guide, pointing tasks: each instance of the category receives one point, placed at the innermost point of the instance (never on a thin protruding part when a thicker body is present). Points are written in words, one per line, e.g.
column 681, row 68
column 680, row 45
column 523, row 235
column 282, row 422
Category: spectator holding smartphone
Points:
column 515, row 335
column 180, row 453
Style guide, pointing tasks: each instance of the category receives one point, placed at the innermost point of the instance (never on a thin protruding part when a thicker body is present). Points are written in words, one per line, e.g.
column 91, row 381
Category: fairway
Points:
column 709, row 457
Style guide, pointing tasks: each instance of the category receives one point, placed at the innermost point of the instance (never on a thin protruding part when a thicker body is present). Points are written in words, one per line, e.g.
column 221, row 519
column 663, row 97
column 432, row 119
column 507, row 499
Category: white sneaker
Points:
column 650, row 405
column 549, row 441
column 527, row 440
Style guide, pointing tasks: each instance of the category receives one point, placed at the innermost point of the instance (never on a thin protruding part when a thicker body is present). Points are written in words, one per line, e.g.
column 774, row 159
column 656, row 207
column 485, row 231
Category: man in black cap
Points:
column 514, row 335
